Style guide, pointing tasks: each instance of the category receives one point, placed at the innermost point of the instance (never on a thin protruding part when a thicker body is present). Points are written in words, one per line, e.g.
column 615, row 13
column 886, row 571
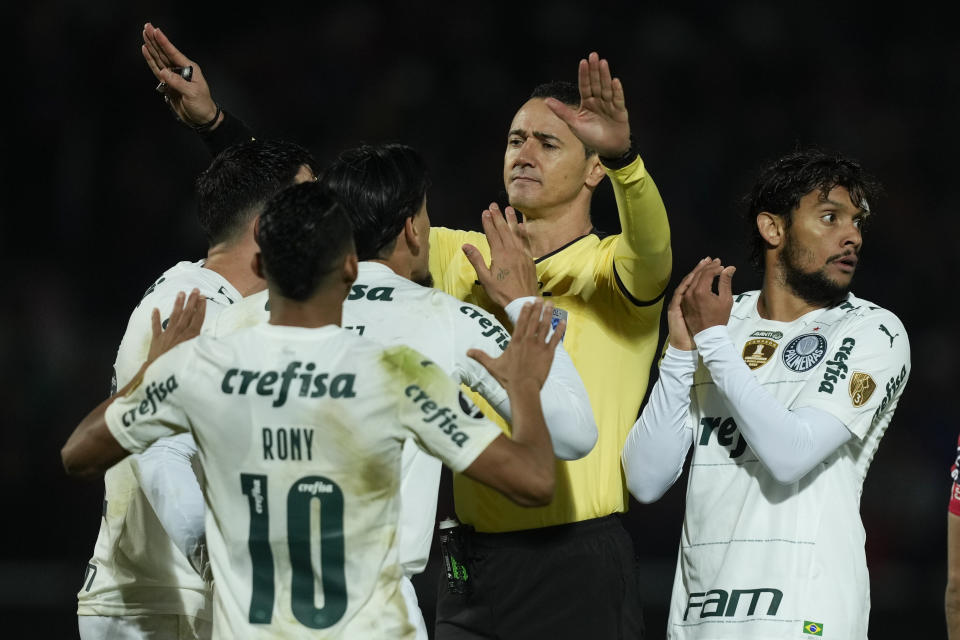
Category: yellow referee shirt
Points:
column 611, row 290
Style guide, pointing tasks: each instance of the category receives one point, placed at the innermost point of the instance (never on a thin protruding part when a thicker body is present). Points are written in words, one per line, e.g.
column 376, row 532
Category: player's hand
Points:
column 184, row 324
column 601, row 121
column 190, row 100
column 679, row 334
column 529, row 355
column 512, row 273
column 701, row 307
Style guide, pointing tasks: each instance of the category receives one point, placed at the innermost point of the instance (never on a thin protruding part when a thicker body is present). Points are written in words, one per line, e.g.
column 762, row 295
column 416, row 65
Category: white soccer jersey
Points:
column 760, row 559
column 393, row 310
column 135, row 568
column 300, row 433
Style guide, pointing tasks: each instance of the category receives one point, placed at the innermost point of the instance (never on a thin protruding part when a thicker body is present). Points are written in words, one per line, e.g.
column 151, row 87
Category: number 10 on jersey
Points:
column 299, row 502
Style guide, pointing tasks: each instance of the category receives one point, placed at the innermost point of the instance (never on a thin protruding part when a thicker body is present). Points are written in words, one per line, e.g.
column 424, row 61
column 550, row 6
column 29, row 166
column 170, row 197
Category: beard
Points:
column 425, row 281
column 813, row 287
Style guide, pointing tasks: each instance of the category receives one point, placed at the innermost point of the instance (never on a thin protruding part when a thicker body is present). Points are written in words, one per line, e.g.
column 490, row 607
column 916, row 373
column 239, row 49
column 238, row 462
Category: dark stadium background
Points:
column 97, row 202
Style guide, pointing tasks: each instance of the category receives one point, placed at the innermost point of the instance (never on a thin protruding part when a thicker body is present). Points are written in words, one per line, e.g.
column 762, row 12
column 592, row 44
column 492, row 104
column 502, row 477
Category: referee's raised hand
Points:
column 512, row 273
column 601, row 122
column 189, row 99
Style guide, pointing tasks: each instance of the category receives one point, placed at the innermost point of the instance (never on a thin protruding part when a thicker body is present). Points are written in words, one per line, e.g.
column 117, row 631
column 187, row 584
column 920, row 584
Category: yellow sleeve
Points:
column 642, row 257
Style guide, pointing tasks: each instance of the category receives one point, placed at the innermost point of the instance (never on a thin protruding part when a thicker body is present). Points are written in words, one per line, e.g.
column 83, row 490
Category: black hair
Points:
column 380, row 186
column 782, row 183
column 239, row 181
column 304, row 233
column 566, row 92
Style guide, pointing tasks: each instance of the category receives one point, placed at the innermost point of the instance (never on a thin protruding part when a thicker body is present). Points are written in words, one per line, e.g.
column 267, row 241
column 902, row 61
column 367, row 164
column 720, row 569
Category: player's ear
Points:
column 350, row 268
column 771, row 228
column 595, row 172
column 412, row 236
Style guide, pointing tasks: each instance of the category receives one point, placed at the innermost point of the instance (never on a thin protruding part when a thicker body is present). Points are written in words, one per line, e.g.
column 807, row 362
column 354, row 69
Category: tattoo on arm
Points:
column 502, row 274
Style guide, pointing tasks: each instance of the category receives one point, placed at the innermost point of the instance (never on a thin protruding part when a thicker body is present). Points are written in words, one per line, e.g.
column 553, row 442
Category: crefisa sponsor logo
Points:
column 156, row 391
column 804, row 352
column 837, row 368
column 892, row 385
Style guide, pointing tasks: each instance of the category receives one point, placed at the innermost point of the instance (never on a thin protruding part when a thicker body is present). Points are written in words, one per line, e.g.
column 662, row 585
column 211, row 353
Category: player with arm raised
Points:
column 784, row 395
column 384, row 189
column 143, row 577
column 561, row 144
column 300, row 427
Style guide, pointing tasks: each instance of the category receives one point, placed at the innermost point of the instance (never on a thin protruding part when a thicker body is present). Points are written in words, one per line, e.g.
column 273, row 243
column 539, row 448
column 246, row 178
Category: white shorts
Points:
column 152, row 627
column 413, row 608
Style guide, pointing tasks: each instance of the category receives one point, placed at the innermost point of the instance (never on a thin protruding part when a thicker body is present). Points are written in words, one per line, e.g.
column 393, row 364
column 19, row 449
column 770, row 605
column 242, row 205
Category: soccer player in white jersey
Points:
column 143, row 579
column 783, row 394
column 300, row 427
column 384, row 190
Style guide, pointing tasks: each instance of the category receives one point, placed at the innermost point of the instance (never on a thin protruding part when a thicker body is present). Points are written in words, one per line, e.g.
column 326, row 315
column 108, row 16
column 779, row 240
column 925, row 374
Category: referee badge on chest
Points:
column 559, row 315
column 758, row 352
column 804, row 352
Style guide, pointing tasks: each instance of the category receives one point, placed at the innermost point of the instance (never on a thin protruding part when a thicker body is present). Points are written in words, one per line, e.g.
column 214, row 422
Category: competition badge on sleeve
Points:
column 862, row 387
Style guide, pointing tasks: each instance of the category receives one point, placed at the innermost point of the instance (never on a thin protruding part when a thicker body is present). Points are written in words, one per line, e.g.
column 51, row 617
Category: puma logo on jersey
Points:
column 887, row 331
column 433, row 412
column 491, row 328
column 156, row 392
column 308, row 384
column 718, row 602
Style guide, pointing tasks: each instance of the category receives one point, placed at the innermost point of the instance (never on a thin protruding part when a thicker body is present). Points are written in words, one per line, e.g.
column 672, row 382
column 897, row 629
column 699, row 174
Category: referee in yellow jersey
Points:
column 567, row 570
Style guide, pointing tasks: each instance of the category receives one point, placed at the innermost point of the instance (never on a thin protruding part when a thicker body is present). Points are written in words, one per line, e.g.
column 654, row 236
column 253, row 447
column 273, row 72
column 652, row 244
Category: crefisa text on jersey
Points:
column 156, row 392
column 433, row 411
column 314, row 385
column 503, row 338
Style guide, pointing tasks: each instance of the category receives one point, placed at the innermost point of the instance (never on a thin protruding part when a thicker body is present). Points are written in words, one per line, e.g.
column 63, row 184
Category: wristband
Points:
column 620, row 162
column 206, row 126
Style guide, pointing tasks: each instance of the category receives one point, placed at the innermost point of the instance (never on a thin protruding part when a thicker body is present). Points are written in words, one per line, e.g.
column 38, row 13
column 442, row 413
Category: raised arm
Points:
column 511, row 282
column 788, row 442
column 521, row 467
column 188, row 93
column 92, row 448
column 642, row 257
column 657, row 445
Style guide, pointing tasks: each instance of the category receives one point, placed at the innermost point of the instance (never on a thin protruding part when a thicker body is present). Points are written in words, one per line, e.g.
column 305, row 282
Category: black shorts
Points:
column 576, row 580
